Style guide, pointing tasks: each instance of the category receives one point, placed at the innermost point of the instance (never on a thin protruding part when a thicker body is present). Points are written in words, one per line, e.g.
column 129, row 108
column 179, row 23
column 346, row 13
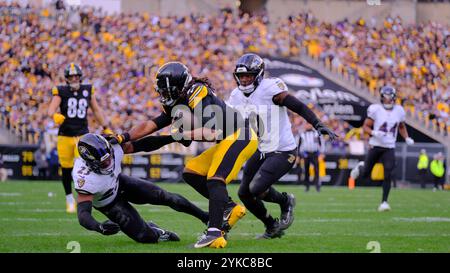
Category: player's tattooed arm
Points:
column 86, row 219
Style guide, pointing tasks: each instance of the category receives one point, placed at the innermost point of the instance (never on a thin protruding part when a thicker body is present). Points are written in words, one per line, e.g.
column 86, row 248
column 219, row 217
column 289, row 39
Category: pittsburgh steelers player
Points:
column 185, row 101
column 68, row 108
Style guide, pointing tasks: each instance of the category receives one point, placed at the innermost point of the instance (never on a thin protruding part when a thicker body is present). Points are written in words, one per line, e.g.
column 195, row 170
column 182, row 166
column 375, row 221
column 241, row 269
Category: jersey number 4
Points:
column 384, row 128
column 76, row 108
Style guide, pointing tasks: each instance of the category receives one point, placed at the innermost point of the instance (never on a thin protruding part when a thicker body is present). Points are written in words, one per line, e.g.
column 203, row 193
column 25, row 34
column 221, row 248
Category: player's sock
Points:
column 257, row 208
column 198, row 182
column 181, row 204
column 218, row 198
column 386, row 189
column 70, row 199
column 67, row 180
column 275, row 196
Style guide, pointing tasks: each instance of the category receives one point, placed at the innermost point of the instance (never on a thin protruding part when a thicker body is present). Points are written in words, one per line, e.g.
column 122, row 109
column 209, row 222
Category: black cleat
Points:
column 272, row 232
column 164, row 235
column 287, row 211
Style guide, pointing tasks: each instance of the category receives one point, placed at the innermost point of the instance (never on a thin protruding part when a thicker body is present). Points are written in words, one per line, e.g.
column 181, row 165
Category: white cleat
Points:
column 384, row 207
column 356, row 170
column 71, row 207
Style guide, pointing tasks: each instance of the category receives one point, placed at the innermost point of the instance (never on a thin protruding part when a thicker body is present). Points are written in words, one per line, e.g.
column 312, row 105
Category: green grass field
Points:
column 335, row 220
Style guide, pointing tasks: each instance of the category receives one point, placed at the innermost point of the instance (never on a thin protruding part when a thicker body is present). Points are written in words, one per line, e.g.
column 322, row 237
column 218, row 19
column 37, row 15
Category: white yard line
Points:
column 38, row 219
column 8, row 194
column 422, row 219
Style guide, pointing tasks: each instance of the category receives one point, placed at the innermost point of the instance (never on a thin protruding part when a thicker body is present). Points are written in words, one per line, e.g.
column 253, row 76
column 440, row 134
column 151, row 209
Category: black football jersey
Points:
column 74, row 106
column 201, row 95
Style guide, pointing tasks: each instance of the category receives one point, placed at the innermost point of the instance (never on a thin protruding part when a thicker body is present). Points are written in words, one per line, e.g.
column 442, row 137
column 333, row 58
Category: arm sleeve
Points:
column 151, row 143
column 85, row 217
column 301, row 109
column 162, row 120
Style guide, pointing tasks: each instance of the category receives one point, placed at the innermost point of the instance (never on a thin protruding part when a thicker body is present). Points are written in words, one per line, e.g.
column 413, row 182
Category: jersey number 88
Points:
column 76, row 108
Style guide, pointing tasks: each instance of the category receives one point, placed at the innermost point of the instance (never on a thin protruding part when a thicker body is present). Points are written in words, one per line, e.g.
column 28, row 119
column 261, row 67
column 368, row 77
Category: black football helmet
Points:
column 388, row 94
column 171, row 81
column 97, row 152
column 249, row 64
column 73, row 69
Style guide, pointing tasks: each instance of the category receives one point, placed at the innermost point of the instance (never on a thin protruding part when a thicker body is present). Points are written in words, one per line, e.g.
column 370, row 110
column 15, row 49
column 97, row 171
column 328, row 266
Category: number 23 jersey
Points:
column 74, row 106
column 386, row 121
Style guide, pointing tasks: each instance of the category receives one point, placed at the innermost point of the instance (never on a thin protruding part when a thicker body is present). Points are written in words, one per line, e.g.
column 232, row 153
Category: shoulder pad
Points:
column 196, row 94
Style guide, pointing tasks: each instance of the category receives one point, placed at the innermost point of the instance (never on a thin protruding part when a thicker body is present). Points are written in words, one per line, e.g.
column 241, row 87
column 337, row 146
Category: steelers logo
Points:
column 85, row 93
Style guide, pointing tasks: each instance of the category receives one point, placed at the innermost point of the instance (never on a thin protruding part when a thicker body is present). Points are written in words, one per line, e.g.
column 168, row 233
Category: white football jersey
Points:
column 276, row 134
column 386, row 121
column 103, row 187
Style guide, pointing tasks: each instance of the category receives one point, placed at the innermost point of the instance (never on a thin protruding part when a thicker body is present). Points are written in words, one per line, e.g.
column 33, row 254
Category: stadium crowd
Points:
column 120, row 53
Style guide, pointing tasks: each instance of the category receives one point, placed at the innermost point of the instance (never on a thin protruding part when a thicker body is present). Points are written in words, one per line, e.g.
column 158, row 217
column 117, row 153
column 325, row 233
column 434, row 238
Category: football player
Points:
column 208, row 173
column 99, row 183
column 383, row 122
column 265, row 102
column 68, row 108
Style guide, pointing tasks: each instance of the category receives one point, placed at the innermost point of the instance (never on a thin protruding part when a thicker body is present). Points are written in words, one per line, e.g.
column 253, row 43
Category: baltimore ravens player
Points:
column 99, row 183
column 185, row 101
column 73, row 101
column 265, row 102
column 383, row 122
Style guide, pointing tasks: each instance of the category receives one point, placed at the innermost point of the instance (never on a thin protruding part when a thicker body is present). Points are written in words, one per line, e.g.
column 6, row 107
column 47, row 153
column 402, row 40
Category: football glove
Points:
column 107, row 131
column 117, row 139
column 322, row 129
column 58, row 118
column 409, row 141
column 109, row 228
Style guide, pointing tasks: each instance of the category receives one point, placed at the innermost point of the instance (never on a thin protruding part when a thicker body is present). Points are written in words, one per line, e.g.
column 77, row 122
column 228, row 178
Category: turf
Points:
column 335, row 220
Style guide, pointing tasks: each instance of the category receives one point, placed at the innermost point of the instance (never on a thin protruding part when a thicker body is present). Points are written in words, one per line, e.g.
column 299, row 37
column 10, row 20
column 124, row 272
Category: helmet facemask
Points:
column 98, row 154
column 170, row 94
column 387, row 97
column 249, row 64
column 74, row 82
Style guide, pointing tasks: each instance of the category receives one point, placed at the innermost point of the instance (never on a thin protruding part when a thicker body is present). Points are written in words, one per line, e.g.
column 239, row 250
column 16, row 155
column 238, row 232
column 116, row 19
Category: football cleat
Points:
column 233, row 213
column 356, row 171
column 71, row 207
column 164, row 235
column 213, row 239
column 287, row 211
column 272, row 232
column 384, row 207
